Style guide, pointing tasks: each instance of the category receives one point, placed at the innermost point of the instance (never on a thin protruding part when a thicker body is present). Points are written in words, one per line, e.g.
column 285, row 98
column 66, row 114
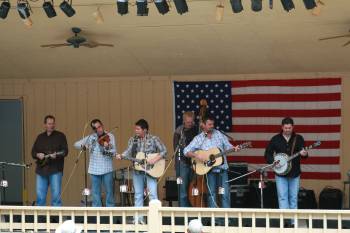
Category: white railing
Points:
column 171, row 219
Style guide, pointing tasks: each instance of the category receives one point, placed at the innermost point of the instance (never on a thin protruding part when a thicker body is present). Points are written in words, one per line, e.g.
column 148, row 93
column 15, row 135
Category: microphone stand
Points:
column 3, row 182
column 261, row 170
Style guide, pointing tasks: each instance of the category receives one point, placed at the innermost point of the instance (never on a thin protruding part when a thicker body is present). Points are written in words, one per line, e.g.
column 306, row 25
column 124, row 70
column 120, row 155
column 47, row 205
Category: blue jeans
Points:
column 185, row 172
column 287, row 190
column 216, row 180
column 42, row 185
column 96, row 181
column 139, row 179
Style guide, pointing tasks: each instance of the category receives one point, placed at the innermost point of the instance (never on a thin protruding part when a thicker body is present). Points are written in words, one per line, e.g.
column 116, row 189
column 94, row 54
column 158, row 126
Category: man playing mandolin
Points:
column 211, row 138
column 288, row 142
column 101, row 145
column 49, row 150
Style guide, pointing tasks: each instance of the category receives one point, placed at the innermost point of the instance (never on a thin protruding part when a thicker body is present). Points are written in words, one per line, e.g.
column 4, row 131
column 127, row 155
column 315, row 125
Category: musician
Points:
column 49, row 171
column 288, row 142
column 147, row 143
column 101, row 146
column 183, row 135
column 211, row 138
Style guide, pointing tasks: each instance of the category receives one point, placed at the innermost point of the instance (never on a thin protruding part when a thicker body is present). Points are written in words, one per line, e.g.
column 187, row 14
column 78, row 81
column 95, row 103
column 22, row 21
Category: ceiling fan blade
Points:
column 347, row 43
column 106, row 45
column 334, row 37
column 88, row 45
column 54, row 45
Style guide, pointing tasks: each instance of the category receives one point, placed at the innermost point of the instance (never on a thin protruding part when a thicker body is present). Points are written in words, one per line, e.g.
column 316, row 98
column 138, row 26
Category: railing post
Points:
column 154, row 221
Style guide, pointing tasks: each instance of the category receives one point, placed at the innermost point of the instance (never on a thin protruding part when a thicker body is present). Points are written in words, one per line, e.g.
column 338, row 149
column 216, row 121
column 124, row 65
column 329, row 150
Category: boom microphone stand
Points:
column 4, row 182
column 261, row 170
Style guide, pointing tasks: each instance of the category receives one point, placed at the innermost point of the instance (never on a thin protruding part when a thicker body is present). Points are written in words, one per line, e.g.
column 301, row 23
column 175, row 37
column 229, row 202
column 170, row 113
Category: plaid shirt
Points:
column 99, row 164
column 149, row 144
column 218, row 140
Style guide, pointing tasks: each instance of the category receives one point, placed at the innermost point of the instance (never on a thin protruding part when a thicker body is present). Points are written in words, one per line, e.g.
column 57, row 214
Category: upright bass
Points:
column 197, row 189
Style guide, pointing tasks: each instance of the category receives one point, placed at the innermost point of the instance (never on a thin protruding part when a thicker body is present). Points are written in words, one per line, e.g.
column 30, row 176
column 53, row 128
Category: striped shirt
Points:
column 99, row 163
column 149, row 144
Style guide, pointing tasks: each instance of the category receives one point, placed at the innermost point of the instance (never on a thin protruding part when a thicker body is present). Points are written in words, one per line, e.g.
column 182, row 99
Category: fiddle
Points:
column 104, row 140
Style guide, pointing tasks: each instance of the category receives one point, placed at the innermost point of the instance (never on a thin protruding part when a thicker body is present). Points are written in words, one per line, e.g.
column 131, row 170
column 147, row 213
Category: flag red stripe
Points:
column 324, row 144
column 288, row 82
column 308, row 175
column 284, row 113
column 276, row 128
column 285, row 97
column 261, row 160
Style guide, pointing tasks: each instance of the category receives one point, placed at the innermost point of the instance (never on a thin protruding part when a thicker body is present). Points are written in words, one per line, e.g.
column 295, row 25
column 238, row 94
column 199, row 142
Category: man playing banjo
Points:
column 287, row 142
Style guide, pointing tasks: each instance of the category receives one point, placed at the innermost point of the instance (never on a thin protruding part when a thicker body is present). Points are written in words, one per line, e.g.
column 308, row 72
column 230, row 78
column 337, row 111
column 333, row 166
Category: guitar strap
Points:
column 293, row 146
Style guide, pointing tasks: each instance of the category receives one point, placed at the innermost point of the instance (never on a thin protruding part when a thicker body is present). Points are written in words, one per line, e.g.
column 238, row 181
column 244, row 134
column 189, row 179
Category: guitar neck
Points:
column 132, row 159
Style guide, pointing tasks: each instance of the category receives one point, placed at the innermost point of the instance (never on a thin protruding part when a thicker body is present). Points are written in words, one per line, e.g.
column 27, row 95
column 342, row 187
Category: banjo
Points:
column 283, row 163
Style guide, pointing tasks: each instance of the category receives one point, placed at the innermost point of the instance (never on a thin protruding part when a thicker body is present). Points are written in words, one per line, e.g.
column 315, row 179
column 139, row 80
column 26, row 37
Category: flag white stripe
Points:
column 286, row 90
column 268, row 136
column 314, row 152
column 304, row 167
column 277, row 120
column 287, row 105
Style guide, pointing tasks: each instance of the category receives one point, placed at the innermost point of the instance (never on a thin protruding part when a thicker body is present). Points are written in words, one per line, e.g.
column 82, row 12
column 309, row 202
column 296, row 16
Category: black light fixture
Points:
column 4, row 9
column 142, row 9
column 67, row 8
column 23, row 10
column 162, row 6
column 236, row 6
column 256, row 5
column 309, row 4
column 49, row 9
column 122, row 7
column 288, row 5
column 181, row 6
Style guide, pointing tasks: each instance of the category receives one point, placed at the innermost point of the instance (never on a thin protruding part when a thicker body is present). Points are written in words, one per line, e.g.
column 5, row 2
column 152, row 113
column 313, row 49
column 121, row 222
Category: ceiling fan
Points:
column 76, row 41
column 339, row 36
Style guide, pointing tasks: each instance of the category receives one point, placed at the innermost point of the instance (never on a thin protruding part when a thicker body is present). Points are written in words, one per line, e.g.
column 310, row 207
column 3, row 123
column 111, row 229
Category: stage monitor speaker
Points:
column 240, row 197
column 269, row 194
column 236, row 170
column 171, row 189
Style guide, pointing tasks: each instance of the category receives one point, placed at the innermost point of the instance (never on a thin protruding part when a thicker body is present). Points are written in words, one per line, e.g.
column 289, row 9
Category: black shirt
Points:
column 278, row 144
column 187, row 137
column 48, row 144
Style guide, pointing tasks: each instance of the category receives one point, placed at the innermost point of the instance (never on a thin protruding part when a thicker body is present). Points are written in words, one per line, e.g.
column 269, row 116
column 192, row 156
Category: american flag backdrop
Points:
column 252, row 110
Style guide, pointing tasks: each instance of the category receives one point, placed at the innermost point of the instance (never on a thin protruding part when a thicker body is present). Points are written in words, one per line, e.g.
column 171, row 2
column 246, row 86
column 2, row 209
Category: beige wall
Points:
column 120, row 102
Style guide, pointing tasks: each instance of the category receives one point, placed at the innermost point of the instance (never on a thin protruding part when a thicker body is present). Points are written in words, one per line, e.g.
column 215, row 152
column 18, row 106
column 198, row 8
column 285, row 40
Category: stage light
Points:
column 256, row 5
column 98, row 16
column 181, row 6
column 67, row 8
column 142, row 9
column 219, row 12
column 288, row 5
column 23, row 10
column 122, row 7
column 162, row 6
column 309, row 4
column 4, row 9
column 236, row 6
column 49, row 9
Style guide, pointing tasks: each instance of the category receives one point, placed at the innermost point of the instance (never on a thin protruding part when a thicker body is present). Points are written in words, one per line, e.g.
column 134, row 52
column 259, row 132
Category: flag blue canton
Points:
column 217, row 94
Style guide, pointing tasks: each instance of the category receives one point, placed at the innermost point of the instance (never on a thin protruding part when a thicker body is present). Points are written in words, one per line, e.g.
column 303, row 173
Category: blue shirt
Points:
column 217, row 140
column 99, row 163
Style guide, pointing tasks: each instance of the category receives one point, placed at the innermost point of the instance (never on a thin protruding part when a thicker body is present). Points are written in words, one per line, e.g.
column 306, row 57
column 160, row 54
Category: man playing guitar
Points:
column 217, row 177
column 144, row 142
